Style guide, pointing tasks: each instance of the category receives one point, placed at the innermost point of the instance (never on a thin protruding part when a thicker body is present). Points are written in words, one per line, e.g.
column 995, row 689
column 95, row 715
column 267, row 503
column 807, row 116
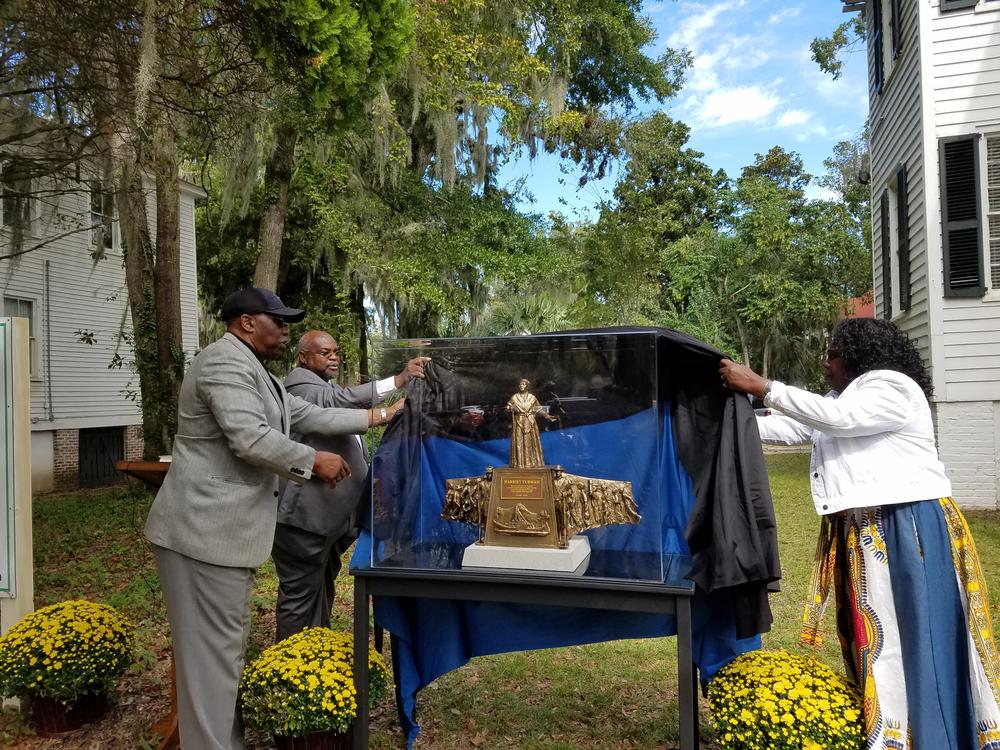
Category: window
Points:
column 894, row 245
column 947, row 5
column 16, row 307
column 896, row 25
column 993, row 207
column 877, row 66
column 15, row 197
column 960, row 216
column 102, row 218
column 903, row 238
column 885, row 240
column 886, row 41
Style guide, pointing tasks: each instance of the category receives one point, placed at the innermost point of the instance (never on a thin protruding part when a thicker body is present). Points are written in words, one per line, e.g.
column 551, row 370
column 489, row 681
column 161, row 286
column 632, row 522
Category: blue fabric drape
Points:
column 932, row 629
column 432, row 637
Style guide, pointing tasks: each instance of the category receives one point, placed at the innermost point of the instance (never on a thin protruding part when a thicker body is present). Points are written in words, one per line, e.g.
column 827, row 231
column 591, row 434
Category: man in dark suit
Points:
column 212, row 521
column 317, row 523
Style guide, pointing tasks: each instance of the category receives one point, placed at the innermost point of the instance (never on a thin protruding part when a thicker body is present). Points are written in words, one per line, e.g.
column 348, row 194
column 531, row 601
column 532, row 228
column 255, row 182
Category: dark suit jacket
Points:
column 313, row 506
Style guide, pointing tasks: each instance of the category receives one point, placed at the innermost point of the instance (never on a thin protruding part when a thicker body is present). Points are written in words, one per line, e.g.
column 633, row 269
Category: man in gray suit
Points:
column 212, row 522
column 317, row 523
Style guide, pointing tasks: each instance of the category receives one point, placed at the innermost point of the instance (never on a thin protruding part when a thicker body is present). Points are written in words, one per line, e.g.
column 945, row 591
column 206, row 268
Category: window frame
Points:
column 991, row 259
column 34, row 347
column 30, row 209
column 878, row 43
column 901, row 251
column 896, row 28
column 887, row 230
column 946, row 6
column 95, row 188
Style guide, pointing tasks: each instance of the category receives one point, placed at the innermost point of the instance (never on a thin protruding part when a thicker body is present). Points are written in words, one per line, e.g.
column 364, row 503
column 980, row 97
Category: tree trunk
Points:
column 416, row 322
column 167, row 286
column 277, row 179
column 765, row 364
column 744, row 344
column 138, row 254
column 361, row 317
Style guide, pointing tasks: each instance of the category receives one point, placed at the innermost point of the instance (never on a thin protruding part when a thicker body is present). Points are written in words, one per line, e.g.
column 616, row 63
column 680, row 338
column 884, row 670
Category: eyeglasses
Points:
column 325, row 353
column 280, row 322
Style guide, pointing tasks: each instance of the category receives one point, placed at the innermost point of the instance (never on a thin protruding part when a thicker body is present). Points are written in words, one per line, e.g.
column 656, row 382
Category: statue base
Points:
column 571, row 561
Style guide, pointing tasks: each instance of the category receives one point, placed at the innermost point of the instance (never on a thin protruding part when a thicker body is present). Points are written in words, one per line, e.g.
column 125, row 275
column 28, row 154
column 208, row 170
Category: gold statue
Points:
column 516, row 506
column 525, row 443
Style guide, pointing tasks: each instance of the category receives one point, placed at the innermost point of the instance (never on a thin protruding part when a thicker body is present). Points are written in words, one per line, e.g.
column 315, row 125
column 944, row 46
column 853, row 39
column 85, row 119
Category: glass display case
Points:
column 594, row 411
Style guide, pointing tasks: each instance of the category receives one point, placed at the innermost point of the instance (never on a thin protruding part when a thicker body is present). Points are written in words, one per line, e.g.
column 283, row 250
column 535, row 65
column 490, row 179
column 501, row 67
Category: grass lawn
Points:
column 609, row 695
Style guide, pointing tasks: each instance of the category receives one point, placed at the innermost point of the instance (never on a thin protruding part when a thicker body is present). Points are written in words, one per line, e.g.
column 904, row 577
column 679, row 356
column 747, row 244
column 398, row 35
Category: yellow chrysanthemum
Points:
column 779, row 701
column 65, row 650
column 306, row 684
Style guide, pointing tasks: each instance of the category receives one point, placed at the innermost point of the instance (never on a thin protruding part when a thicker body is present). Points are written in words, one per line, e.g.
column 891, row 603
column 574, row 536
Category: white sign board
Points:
column 8, row 445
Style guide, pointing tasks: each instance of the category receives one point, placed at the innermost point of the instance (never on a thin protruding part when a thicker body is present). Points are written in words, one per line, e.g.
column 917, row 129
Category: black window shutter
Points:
column 877, row 71
column 903, row 238
column 960, row 218
column 897, row 28
column 886, row 256
column 947, row 5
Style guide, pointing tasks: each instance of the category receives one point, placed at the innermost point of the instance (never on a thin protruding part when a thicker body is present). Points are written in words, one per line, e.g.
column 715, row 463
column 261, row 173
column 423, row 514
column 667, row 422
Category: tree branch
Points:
column 49, row 241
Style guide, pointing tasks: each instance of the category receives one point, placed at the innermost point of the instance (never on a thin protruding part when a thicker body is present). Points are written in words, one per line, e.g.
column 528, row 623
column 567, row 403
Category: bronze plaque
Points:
column 522, row 510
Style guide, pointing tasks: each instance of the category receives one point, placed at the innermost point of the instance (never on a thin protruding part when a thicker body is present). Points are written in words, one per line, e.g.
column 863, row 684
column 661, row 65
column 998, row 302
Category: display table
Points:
column 152, row 473
column 513, row 587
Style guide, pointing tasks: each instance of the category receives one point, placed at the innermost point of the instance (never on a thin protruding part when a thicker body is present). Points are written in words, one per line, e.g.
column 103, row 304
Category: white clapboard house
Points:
column 84, row 411
column 934, row 100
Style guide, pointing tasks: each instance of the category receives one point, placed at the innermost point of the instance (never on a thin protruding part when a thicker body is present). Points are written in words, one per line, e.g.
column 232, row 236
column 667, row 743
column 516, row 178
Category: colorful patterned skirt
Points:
column 914, row 624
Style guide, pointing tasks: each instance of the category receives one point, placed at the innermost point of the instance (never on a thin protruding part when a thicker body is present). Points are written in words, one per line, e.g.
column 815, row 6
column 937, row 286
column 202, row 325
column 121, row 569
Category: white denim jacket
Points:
column 872, row 445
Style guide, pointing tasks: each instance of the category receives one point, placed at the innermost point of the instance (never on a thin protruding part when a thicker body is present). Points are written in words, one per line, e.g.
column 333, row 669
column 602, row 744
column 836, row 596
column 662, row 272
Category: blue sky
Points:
column 753, row 85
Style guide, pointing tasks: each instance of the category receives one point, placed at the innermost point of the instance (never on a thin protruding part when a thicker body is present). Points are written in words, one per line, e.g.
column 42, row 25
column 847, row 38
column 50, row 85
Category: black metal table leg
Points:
column 687, row 696
column 361, row 662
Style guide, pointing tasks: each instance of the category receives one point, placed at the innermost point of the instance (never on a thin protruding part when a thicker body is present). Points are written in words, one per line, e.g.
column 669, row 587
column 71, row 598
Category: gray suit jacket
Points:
column 313, row 505
column 219, row 501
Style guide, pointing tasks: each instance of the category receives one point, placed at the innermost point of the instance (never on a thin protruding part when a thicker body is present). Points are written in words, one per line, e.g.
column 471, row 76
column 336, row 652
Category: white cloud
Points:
column 792, row 117
column 847, row 89
column 732, row 55
column 744, row 53
column 700, row 20
column 816, row 192
column 781, row 15
column 735, row 105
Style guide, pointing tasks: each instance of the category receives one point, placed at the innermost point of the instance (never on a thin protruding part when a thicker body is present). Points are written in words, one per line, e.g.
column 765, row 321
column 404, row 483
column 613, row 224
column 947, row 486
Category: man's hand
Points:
column 741, row 378
column 330, row 467
column 393, row 409
column 414, row 369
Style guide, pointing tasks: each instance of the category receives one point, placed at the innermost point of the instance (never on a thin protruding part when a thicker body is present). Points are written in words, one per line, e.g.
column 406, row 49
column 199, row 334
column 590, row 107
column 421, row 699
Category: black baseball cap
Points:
column 254, row 300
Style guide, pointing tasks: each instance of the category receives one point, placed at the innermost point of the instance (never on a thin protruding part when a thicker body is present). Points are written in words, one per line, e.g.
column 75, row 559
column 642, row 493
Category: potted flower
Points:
column 65, row 659
column 780, row 701
column 301, row 690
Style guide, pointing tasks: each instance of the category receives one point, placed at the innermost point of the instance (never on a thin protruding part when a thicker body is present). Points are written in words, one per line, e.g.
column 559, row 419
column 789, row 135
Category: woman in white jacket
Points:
column 912, row 609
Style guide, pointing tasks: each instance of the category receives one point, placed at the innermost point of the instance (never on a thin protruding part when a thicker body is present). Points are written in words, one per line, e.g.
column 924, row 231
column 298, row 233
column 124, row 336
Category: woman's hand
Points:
column 741, row 378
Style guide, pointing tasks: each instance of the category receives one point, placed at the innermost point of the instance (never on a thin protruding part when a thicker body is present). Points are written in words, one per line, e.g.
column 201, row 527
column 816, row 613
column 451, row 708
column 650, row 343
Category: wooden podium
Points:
column 152, row 473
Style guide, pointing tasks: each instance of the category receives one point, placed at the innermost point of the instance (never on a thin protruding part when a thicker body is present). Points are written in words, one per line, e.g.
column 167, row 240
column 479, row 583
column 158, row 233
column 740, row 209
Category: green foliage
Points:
column 554, row 75
column 65, row 651
column 827, row 52
column 331, row 52
column 666, row 193
column 848, row 171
